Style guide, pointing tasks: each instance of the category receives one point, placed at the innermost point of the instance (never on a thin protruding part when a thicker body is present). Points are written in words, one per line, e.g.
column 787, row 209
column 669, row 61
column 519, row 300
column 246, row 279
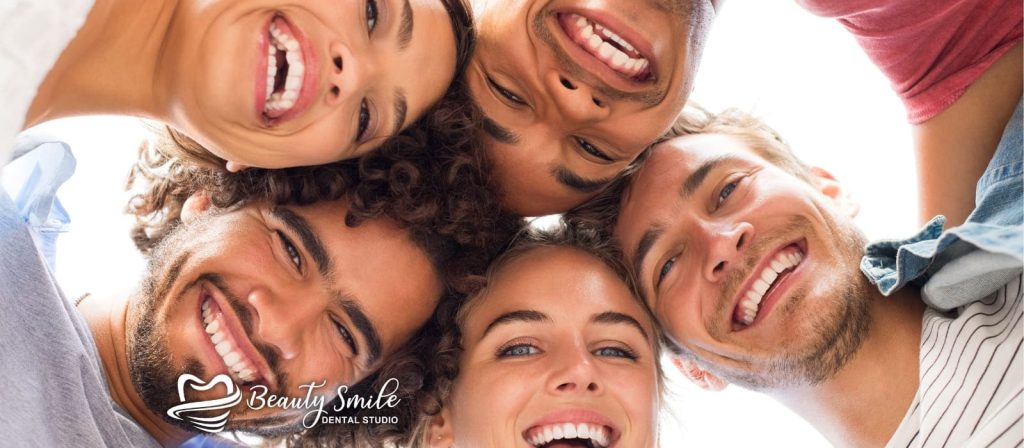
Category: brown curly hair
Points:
column 431, row 179
column 444, row 369
column 181, row 146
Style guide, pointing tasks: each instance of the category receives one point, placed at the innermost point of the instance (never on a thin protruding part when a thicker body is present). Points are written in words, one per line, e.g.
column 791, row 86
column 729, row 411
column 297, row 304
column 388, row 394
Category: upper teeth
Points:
column 595, row 38
column 541, row 435
column 280, row 41
column 225, row 345
column 751, row 302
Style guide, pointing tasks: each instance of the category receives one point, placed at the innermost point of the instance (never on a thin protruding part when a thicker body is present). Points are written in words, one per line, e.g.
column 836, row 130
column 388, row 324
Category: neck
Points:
column 107, row 322
column 110, row 67
column 866, row 401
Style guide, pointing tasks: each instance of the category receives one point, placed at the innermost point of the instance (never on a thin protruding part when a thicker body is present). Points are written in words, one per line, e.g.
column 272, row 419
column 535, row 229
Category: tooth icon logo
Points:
column 208, row 424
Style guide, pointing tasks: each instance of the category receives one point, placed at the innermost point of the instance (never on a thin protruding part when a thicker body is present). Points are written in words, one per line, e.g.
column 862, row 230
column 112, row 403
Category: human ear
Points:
column 702, row 378
column 195, row 205
column 234, row 167
column 829, row 186
column 439, row 433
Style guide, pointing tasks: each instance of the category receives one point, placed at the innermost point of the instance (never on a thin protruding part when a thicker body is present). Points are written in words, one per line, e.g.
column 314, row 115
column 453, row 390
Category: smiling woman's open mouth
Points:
column 285, row 69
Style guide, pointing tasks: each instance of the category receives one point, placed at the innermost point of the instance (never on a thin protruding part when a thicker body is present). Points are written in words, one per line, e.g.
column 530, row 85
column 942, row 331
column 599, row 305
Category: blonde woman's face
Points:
column 556, row 349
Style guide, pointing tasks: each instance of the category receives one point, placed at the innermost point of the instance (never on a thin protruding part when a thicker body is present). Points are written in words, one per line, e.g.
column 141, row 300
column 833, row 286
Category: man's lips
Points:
column 608, row 49
column 573, row 425
column 766, row 283
column 287, row 72
column 228, row 342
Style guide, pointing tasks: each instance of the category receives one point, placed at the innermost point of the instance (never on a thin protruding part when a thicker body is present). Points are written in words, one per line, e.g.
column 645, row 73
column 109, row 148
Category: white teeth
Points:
column 223, row 348
column 587, row 31
column 597, row 40
column 213, row 327
column 598, row 435
column 569, row 430
column 217, row 337
column 750, row 304
column 232, row 358
column 284, row 100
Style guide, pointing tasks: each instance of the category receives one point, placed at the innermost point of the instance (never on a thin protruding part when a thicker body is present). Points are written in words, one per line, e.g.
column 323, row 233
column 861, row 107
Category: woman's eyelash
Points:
column 364, row 121
column 517, row 350
column 618, row 352
column 371, row 15
column 290, row 250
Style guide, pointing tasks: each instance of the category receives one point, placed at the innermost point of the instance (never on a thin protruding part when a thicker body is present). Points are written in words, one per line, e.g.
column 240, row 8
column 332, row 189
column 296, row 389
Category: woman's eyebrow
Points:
column 516, row 316
column 613, row 317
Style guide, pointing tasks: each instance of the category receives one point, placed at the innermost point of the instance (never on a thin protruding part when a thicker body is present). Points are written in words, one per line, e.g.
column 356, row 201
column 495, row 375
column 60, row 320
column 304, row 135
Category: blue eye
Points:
column 727, row 191
column 615, row 352
column 518, row 350
column 665, row 268
column 290, row 250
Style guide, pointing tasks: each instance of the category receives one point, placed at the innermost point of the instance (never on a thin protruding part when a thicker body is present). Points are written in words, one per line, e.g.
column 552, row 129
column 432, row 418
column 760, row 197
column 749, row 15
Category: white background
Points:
column 804, row 75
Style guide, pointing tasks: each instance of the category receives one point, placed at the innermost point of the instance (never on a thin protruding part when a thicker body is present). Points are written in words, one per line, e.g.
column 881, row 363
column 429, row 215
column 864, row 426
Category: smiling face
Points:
column 276, row 296
column 750, row 269
column 556, row 343
column 573, row 91
column 276, row 84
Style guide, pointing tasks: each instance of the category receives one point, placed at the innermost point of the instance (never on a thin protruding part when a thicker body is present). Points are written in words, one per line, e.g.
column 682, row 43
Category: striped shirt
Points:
column 971, row 375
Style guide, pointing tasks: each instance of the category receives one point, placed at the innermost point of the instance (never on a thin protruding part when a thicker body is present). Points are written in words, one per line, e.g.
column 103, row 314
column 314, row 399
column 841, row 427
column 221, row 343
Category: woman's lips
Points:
column 287, row 82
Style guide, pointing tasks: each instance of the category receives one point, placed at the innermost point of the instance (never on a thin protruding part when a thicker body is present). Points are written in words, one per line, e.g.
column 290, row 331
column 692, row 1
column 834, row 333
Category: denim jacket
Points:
column 970, row 261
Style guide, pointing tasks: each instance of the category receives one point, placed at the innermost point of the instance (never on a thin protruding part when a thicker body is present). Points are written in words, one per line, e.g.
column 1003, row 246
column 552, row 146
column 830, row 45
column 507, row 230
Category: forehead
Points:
column 433, row 48
column 558, row 281
column 659, row 182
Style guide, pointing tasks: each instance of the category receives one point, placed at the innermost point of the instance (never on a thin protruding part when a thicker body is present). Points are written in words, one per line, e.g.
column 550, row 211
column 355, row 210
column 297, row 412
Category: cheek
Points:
column 486, row 405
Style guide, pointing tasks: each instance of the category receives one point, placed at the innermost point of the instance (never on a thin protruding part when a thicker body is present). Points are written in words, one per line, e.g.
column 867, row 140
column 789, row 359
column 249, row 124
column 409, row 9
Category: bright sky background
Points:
column 804, row 75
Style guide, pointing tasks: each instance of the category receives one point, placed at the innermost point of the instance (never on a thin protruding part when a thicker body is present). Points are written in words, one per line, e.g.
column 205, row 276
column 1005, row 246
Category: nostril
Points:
column 337, row 62
column 597, row 102
column 567, row 84
column 719, row 267
column 739, row 243
column 335, row 91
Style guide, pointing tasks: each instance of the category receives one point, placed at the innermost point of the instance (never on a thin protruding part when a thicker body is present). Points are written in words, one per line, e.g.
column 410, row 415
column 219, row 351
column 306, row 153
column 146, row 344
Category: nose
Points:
column 282, row 321
column 575, row 374
column 575, row 101
column 726, row 245
column 351, row 72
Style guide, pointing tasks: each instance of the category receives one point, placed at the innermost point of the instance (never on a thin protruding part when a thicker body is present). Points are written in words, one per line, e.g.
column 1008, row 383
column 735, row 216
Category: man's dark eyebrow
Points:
column 516, row 316
column 612, row 317
column 309, row 238
column 643, row 247
column 581, row 185
column 405, row 26
column 363, row 325
column 697, row 177
column 499, row 132
column 401, row 107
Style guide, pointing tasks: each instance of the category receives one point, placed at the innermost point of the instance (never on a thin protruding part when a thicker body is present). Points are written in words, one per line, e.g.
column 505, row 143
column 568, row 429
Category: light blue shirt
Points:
column 971, row 261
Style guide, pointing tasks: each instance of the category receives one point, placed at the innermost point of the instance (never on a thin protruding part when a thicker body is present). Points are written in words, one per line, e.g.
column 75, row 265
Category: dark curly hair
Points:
column 431, row 179
column 445, row 359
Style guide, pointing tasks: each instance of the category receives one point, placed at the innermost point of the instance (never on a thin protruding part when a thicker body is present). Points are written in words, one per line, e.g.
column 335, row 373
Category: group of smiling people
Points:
column 338, row 198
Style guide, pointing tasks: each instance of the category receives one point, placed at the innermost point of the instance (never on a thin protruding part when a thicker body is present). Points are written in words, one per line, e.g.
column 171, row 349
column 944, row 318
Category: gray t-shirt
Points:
column 53, row 392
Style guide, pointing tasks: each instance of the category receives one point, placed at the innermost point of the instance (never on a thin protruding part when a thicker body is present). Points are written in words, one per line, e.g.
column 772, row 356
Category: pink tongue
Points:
column 566, row 444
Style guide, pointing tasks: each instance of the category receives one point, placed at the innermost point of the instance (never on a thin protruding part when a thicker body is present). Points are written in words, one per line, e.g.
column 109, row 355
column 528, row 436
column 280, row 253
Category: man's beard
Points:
column 836, row 334
column 152, row 370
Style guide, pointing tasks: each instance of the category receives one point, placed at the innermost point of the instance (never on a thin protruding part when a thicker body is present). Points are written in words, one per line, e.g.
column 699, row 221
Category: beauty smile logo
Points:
column 208, row 424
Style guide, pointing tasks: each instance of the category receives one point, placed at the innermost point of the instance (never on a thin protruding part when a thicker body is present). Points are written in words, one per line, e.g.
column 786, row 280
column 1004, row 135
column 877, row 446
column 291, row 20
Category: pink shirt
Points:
column 931, row 50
